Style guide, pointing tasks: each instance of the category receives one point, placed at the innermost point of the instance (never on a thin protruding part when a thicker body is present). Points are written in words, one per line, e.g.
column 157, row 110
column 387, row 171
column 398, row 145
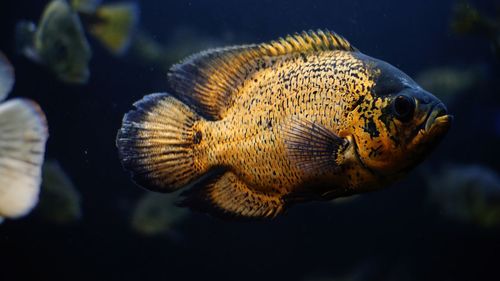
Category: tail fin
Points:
column 114, row 25
column 23, row 134
column 156, row 143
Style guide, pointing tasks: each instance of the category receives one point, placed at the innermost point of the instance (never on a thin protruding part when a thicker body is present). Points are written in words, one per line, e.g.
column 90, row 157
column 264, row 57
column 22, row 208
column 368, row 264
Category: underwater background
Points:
column 399, row 233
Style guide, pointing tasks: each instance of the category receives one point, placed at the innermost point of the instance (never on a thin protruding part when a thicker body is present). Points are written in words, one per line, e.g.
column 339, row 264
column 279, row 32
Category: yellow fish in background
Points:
column 113, row 25
column 257, row 128
column 59, row 41
column 23, row 134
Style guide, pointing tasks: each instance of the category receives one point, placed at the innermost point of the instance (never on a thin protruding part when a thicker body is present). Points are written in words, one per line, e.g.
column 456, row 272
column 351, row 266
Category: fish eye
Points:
column 403, row 107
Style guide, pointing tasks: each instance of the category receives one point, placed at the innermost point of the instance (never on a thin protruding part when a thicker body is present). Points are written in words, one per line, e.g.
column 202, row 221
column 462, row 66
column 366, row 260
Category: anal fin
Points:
column 229, row 197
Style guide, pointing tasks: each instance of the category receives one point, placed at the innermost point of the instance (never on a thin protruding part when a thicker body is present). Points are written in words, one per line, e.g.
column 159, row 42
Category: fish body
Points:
column 307, row 117
column 59, row 41
column 113, row 25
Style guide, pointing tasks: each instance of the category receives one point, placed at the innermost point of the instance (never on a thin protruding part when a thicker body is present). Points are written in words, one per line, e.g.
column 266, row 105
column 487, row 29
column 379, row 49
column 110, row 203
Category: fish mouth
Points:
column 438, row 117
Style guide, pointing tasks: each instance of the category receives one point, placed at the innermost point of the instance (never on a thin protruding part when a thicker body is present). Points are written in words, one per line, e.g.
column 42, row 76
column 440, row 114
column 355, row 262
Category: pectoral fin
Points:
column 313, row 147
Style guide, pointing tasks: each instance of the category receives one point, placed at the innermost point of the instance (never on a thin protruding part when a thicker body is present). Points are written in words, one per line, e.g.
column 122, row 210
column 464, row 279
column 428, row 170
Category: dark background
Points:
column 391, row 235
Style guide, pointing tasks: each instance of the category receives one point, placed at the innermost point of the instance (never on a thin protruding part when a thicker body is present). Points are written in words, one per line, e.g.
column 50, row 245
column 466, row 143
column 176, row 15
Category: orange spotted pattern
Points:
column 259, row 127
column 320, row 87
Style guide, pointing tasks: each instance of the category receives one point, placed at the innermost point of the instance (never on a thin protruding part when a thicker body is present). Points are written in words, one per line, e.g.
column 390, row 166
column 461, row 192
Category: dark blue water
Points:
column 392, row 232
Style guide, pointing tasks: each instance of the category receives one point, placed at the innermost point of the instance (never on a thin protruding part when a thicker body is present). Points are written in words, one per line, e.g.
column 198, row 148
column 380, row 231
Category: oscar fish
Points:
column 251, row 130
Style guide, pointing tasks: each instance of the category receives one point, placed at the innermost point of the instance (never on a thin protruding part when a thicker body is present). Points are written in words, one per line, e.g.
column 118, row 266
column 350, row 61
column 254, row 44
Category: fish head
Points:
column 400, row 122
column 61, row 44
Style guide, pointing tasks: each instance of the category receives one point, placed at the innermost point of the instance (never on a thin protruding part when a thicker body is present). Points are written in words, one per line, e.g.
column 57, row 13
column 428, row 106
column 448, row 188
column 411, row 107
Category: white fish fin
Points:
column 23, row 135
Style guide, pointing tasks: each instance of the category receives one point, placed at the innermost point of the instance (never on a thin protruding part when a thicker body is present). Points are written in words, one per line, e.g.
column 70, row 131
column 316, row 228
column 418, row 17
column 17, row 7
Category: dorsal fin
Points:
column 207, row 80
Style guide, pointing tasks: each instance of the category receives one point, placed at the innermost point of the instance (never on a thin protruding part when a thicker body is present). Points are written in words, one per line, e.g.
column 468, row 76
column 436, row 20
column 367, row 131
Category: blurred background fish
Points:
column 113, row 25
column 450, row 83
column 85, row 6
column 60, row 201
column 468, row 20
column 183, row 41
column 23, row 134
column 6, row 77
column 59, row 40
column 156, row 214
column 467, row 193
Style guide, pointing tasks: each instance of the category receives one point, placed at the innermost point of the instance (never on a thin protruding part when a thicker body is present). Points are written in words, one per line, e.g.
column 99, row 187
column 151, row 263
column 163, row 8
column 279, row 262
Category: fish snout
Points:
column 438, row 115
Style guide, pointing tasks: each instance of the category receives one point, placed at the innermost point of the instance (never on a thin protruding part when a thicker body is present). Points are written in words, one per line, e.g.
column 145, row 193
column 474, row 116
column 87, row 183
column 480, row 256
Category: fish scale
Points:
column 250, row 145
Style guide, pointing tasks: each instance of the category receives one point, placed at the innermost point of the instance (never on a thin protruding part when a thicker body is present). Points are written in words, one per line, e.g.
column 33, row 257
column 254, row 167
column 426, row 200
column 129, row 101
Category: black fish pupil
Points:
column 403, row 108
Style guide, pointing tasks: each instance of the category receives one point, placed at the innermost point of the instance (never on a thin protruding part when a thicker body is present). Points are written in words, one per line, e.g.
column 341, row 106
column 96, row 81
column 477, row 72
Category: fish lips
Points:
column 438, row 119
